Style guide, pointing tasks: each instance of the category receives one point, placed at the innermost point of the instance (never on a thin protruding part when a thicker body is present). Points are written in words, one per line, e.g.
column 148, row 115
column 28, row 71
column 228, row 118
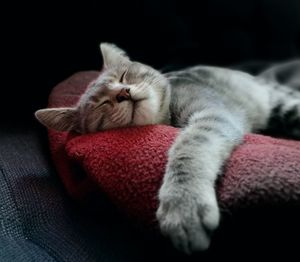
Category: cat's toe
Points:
column 189, row 224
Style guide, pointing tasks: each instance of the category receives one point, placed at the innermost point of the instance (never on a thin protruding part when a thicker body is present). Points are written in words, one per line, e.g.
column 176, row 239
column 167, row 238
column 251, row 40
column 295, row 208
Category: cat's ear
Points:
column 113, row 55
column 61, row 119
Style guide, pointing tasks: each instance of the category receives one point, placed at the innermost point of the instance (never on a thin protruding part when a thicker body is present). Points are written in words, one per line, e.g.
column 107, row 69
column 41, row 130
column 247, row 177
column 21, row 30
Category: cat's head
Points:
column 126, row 93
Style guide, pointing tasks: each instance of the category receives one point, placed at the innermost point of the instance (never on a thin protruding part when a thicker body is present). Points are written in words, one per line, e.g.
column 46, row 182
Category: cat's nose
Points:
column 123, row 95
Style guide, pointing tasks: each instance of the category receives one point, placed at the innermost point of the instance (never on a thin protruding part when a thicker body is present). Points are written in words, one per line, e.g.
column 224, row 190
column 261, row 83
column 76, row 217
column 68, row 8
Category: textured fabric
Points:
column 39, row 223
column 33, row 222
column 67, row 93
column 128, row 164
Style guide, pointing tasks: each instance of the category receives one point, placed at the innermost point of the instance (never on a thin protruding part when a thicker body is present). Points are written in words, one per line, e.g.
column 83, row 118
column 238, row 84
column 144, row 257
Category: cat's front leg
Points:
column 188, row 211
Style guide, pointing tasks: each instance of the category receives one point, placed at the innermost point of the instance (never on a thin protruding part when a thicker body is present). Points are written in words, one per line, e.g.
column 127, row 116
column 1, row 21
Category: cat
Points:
column 214, row 107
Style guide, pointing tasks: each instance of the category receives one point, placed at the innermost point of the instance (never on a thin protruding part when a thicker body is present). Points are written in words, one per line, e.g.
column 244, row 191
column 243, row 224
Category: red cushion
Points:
column 128, row 164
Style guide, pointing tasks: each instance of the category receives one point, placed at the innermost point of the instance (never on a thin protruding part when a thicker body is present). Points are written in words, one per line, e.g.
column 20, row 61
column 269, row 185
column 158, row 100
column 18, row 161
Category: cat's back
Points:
column 206, row 76
column 199, row 87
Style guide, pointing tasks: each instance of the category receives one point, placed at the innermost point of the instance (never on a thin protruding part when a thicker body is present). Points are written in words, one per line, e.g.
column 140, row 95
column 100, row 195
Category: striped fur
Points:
column 213, row 106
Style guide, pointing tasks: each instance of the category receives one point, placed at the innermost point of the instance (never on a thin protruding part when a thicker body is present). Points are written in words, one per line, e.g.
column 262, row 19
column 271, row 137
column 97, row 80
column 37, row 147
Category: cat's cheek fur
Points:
column 146, row 111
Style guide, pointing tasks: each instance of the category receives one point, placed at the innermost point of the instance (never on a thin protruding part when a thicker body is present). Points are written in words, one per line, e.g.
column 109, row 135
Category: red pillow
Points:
column 127, row 164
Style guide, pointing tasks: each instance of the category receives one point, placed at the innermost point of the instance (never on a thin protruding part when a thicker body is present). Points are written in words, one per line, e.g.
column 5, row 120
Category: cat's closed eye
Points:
column 122, row 77
column 105, row 102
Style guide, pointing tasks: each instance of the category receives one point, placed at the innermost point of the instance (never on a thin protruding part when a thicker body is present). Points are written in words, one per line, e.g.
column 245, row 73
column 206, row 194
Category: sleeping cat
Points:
column 214, row 107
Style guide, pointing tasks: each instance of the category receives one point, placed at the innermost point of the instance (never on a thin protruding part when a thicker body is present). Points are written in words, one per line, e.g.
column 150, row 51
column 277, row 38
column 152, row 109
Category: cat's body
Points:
column 215, row 107
column 218, row 89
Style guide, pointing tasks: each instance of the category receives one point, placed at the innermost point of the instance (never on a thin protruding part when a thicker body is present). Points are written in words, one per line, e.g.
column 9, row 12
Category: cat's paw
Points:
column 188, row 218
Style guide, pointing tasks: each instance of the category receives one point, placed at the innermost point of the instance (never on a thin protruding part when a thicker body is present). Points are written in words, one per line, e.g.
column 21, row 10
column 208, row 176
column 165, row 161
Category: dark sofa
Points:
column 50, row 41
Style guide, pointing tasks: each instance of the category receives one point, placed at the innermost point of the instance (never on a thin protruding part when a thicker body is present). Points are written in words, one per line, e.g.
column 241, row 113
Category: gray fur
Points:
column 214, row 107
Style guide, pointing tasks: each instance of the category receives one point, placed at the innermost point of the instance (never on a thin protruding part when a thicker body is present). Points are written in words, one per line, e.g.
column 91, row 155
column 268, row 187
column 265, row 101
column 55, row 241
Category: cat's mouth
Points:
column 133, row 111
column 135, row 105
column 134, row 108
column 136, row 99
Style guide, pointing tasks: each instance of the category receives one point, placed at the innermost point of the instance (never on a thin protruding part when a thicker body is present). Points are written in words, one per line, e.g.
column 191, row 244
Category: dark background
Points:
column 47, row 41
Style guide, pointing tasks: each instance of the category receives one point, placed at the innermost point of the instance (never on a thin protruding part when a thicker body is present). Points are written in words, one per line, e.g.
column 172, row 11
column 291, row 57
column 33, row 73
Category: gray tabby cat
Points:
column 214, row 107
